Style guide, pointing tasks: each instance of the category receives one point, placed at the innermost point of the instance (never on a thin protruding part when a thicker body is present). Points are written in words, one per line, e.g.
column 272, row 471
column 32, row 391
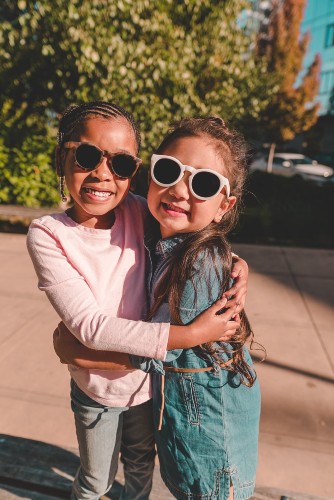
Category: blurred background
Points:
column 267, row 67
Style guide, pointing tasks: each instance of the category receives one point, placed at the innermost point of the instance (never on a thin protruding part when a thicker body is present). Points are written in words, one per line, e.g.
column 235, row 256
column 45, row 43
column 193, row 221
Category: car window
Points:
column 279, row 161
column 304, row 161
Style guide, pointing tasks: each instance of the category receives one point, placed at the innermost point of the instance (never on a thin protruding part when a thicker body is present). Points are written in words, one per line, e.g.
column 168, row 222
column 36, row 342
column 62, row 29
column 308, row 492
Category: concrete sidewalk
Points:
column 290, row 304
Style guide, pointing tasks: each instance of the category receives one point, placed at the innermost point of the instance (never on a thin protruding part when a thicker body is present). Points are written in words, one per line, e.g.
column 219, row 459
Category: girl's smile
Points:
column 175, row 207
column 175, row 211
column 96, row 195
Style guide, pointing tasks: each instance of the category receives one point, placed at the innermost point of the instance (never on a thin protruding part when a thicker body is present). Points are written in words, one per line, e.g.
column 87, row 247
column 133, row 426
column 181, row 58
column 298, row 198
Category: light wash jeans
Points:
column 102, row 433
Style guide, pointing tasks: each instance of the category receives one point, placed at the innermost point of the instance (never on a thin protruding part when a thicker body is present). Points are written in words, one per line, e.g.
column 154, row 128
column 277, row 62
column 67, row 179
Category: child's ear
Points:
column 225, row 206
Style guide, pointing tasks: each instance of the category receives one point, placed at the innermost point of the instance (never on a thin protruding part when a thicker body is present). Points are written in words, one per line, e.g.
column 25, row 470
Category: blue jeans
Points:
column 102, row 433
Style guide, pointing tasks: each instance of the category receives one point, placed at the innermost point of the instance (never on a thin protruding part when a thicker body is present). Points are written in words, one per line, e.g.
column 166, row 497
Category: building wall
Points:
column 319, row 21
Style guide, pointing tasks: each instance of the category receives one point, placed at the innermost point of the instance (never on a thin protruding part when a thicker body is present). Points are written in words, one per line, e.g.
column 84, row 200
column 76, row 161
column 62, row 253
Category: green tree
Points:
column 27, row 178
column 293, row 108
column 161, row 60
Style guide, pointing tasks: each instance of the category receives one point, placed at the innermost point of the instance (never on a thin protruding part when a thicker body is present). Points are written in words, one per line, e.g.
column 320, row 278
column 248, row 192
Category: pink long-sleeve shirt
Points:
column 95, row 280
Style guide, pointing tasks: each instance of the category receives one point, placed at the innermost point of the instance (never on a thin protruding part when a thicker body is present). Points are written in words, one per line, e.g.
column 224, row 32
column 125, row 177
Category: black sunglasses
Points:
column 88, row 157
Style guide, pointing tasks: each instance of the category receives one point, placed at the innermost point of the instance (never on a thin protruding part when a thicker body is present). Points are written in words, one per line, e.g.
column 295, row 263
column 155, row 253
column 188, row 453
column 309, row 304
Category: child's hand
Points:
column 71, row 352
column 216, row 323
column 233, row 326
column 239, row 290
column 64, row 343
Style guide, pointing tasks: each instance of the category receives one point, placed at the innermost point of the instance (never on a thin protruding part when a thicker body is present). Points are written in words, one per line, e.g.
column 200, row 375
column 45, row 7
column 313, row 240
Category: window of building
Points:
column 329, row 40
column 326, row 82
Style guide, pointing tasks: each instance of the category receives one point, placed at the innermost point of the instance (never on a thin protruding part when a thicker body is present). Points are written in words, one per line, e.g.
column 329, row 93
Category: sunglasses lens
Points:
column 88, row 156
column 166, row 171
column 124, row 165
column 205, row 184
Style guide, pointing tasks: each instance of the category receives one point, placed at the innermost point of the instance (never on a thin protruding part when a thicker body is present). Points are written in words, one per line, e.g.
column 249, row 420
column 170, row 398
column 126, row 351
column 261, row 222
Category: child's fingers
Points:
column 228, row 334
column 231, row 291
column 219, row 305
column 227, row 337
column 56, row 340
column 62, row 328
column 239, row 268
column 231, row 308
column 238, row 293
column 236, row 317
column 236, row 271
column 237, row 288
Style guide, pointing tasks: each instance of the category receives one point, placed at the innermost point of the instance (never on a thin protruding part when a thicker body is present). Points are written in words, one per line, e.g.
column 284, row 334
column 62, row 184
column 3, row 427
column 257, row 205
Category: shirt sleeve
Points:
column 76, row 305
column 147, row 365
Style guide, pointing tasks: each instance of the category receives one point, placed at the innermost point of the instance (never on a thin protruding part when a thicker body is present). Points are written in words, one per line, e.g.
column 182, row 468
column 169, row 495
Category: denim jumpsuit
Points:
column 209, row 434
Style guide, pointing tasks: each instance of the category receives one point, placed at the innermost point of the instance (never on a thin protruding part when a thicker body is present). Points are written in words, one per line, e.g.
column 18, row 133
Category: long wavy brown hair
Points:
column 210, row 242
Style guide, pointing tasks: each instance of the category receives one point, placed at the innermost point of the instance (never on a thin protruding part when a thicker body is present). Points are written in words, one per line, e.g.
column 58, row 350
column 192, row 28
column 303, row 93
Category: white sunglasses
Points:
column 204, row 183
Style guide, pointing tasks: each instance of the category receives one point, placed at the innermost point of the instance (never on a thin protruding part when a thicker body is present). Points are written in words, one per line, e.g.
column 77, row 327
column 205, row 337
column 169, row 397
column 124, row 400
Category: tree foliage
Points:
column 293, row 108
column 27, row 178
column 160, row 60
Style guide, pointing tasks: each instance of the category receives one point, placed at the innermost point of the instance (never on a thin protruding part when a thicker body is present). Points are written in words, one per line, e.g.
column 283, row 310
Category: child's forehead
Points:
column 114, row 134
column 114, row 128
column 196, row 151
column 114, row 122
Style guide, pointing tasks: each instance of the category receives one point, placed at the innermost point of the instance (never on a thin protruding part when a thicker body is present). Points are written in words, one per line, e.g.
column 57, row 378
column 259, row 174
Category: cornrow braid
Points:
column 75, row 116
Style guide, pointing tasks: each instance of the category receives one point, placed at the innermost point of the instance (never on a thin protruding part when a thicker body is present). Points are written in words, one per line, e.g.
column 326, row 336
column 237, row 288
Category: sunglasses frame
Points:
column 104, row 154
column 224, row 182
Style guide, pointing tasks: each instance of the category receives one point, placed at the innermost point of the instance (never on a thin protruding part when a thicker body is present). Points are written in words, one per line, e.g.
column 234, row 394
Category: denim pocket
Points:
column 190, row 398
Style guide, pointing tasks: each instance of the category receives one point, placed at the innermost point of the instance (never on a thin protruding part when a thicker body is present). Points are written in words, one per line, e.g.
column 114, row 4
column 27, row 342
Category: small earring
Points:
column 62, row 188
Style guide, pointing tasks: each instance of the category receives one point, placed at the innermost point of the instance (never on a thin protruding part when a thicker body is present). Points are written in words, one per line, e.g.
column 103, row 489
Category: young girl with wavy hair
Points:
column 207, row 398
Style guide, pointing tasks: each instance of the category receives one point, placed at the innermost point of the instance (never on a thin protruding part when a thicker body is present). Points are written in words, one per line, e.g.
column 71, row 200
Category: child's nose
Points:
column 103, row 171
column 181, row 188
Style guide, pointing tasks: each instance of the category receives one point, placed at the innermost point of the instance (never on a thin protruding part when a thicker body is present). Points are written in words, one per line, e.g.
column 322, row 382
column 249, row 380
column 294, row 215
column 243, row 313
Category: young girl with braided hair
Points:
column 91, row 262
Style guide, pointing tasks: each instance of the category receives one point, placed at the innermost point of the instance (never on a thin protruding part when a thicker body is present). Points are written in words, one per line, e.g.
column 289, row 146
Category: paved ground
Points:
column 290, row 304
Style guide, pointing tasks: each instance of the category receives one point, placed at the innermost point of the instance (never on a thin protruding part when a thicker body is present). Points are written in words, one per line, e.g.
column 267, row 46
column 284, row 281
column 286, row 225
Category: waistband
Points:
column 184, row 370
column 195, row 370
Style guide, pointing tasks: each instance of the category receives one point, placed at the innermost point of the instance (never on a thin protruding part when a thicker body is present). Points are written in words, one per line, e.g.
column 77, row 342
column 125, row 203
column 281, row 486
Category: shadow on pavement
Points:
column 282, row 366
column 33, row 469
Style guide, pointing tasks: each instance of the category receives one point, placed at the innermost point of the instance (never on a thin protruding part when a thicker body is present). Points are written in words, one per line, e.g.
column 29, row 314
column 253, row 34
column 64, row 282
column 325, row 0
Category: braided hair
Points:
column 75, row 116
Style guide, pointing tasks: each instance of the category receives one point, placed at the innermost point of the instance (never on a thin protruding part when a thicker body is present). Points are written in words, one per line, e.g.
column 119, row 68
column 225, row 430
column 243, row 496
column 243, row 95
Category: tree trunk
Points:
column 271, row 157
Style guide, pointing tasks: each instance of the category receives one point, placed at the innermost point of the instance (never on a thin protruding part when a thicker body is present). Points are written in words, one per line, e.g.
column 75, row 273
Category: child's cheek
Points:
column 150, row 196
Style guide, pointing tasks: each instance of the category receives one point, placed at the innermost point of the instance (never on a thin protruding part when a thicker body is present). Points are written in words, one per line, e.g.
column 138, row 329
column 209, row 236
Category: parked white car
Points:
column 289, row 164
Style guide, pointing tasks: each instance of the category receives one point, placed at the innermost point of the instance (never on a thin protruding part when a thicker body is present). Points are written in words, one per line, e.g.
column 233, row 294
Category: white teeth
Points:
column 100, row 194
column 175, row 209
